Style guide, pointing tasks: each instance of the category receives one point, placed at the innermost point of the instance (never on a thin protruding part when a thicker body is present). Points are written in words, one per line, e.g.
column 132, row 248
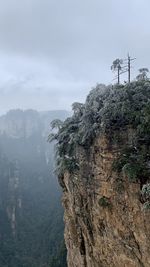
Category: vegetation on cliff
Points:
column 109, row 110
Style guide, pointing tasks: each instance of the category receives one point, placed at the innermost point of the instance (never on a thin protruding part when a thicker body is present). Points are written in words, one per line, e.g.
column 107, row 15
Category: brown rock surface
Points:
column 117, row 235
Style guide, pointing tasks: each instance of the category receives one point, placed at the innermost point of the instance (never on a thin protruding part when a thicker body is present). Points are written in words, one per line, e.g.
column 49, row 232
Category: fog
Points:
column 52, row 52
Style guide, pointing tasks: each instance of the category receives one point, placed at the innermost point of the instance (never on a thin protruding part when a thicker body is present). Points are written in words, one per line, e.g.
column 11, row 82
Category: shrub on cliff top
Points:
column 106, row 110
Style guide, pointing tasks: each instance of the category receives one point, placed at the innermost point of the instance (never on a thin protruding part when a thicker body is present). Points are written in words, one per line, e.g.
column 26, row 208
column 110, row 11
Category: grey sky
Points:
column 53, row 51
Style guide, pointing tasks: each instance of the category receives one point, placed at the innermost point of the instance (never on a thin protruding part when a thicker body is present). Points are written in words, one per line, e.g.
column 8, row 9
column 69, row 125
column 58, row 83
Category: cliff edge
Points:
column 103, row 165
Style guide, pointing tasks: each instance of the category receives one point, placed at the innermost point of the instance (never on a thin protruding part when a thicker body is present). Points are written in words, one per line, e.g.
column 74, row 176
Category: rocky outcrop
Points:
column 103, row 164
column 105, row 224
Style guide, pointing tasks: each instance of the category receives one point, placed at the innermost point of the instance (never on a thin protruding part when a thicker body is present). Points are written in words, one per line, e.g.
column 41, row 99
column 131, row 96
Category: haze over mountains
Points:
column 31, row 216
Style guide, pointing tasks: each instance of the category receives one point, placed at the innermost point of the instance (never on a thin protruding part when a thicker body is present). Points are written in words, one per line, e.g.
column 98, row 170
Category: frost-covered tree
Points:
column 106, row 110
column 56, row 124
column 143, row 74
column 55, row 127
column 77, row 108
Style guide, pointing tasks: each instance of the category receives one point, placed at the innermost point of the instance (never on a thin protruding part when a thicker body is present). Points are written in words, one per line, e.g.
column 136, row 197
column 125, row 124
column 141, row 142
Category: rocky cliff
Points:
column 105, row 223
column 104, row 170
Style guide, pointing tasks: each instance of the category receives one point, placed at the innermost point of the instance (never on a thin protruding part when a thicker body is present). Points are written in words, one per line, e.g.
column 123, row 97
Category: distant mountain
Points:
column 18, row 123
column 31, row 216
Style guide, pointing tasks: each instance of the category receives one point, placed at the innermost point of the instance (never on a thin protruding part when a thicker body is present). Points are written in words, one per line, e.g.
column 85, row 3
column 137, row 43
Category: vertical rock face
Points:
column 13, row 194
column 105, row 224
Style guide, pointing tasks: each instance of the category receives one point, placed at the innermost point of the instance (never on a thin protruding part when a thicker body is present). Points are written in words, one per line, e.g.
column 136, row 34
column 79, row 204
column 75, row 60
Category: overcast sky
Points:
column 53, row 51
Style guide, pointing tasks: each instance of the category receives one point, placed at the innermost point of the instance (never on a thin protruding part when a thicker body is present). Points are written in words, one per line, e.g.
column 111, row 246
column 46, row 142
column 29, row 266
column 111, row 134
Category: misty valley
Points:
column 74, row 133
column 31, row 215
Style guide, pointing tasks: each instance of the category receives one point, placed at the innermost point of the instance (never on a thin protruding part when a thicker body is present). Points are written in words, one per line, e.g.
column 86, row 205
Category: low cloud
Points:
column 52, row 52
